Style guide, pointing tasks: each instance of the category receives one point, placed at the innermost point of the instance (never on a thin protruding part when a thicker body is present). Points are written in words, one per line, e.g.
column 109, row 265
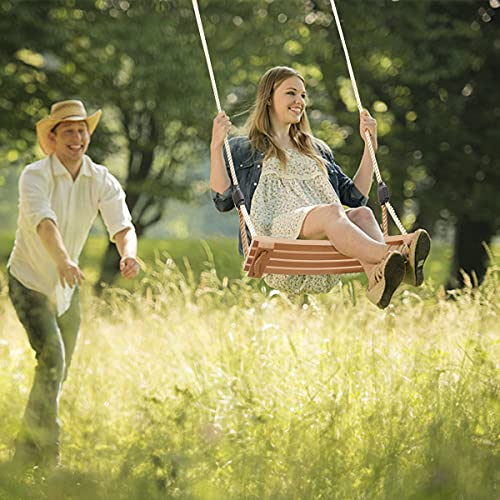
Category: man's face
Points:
column 70, row 140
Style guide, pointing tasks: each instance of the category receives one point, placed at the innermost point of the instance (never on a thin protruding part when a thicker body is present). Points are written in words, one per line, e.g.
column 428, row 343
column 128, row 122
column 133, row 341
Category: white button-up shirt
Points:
column 47, row 191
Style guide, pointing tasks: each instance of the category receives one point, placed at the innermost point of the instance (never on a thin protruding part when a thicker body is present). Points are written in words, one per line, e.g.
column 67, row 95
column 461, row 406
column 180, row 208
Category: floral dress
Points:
column 280, row 204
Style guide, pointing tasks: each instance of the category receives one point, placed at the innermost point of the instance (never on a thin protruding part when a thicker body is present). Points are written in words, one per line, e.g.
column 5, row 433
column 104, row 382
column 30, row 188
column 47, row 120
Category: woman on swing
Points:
column 294, row 189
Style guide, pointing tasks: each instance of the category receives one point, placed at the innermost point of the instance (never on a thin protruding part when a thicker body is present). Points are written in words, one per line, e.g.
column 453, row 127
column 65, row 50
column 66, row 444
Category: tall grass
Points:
column 213, row 388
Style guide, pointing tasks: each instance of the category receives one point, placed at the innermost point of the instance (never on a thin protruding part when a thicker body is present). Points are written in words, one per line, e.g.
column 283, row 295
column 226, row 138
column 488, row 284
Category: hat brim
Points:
column 45, row 125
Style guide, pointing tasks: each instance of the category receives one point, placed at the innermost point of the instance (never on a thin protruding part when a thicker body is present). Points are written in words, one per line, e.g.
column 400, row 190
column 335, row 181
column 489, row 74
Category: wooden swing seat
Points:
column 284, row 256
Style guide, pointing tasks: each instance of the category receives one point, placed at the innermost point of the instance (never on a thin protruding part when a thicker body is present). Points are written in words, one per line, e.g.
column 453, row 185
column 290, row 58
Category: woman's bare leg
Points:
column 331, row 222
column 363, row 218
column 385, row 270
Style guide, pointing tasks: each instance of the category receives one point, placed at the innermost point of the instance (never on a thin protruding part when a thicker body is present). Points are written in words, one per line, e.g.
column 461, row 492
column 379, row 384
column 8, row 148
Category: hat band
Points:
column 65, row 118
column 83, row 118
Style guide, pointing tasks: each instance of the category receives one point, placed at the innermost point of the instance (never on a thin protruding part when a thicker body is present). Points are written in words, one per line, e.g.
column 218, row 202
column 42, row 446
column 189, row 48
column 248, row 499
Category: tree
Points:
column 428, row 70
column 451, row 54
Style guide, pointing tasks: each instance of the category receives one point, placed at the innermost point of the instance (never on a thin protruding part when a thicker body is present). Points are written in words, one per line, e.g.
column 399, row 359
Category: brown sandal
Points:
column 415, row 254
column 387, row 275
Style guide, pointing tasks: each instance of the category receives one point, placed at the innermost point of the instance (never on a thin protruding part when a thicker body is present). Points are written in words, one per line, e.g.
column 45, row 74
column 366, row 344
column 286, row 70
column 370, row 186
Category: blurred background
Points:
column 427, row 70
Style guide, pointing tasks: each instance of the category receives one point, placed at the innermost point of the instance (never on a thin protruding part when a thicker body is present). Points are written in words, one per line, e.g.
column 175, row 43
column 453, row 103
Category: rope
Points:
column 360, row 108
column 385, row 223
column 242, row 208
column 243, row 232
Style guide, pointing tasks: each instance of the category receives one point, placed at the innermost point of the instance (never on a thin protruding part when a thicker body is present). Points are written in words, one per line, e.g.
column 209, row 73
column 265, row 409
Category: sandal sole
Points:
column 419, row 252
column 394, row 273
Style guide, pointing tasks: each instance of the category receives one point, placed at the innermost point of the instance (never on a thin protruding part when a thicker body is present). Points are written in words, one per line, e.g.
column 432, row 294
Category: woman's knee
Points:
column 361, row 216
column 333, row 214
column 322, row 220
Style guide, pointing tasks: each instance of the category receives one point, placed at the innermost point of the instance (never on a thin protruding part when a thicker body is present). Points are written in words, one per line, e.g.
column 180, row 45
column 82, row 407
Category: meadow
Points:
column 193, row 384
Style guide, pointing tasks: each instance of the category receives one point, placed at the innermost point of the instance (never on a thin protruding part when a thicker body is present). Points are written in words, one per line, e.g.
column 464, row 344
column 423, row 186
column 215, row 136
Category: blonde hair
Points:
column 259, row 123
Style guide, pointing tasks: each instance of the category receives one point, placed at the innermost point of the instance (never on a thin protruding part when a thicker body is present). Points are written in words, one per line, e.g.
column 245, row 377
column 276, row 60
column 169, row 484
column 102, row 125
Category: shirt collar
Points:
column 59, row 169
column 86, row 169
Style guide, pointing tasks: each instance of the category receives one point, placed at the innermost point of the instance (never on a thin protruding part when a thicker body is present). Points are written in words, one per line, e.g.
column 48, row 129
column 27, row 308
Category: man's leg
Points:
column 38, row 441
column 69, row 326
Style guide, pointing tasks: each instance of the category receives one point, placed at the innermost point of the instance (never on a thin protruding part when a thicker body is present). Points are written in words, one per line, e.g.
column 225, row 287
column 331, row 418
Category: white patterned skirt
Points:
column 282, row 201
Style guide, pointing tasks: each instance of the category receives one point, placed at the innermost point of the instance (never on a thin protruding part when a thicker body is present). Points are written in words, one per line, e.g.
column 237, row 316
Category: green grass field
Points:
column 193, row 385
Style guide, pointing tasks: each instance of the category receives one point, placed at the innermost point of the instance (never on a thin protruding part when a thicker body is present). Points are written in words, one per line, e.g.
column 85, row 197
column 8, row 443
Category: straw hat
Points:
column 62, row 112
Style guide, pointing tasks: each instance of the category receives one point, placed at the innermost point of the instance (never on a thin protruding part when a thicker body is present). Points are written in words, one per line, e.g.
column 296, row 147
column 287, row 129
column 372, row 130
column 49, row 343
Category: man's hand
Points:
column 129, row 267
column 126, row 242
column 69, row 273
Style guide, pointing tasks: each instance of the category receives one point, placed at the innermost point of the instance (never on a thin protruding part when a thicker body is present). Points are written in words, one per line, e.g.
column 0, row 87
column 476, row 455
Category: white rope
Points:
column 360, row 108
column 242, row 207
column 395, row 218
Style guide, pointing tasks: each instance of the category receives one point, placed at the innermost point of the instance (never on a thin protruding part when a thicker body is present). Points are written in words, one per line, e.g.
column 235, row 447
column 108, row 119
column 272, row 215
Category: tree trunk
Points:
column 469, row 254
column 109, row 267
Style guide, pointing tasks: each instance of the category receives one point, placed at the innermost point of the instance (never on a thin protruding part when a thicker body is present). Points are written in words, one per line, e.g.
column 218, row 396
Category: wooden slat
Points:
column 299, row 254
column 292, row 245
column 306, row 263
column 281, row 256
column 314, row 271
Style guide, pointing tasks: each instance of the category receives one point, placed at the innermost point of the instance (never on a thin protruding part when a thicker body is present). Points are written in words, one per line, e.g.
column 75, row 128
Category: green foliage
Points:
column 27, row 32
column 221, row 390
column 449, row 63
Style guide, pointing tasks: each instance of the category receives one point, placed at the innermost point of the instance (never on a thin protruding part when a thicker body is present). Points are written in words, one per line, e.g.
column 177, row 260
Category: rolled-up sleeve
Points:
column 34, row 198
column 113, row 208
column 223, row 202
column 349, row 194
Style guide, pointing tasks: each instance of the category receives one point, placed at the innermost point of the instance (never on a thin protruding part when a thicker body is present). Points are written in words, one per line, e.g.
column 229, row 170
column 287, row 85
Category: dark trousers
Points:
column 53, row 339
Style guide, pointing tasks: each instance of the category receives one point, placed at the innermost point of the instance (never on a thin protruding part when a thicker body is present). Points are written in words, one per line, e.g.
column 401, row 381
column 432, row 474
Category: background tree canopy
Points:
column 427, row 71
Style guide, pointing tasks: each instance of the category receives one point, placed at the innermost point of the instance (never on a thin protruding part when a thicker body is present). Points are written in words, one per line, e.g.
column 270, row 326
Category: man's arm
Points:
column 68, row 271
column 126, row 243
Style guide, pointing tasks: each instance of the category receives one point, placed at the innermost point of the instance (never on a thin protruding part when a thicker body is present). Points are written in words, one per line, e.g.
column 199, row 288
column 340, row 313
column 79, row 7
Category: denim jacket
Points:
column 248, row 166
